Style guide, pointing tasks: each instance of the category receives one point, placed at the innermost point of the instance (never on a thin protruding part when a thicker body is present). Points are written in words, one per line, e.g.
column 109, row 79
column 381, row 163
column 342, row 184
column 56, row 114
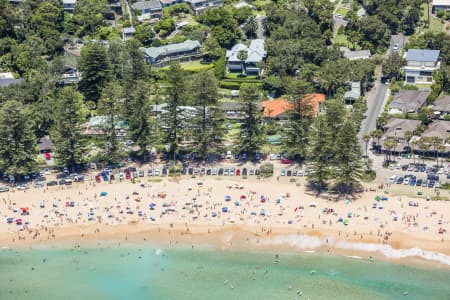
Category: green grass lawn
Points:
column 435, row 23
column 239, row 76
column 341, row 40
column 342, row 11
column 193, row 66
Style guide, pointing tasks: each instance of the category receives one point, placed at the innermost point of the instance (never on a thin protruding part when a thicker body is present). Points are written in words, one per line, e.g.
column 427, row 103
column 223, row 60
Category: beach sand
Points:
column 264, row 214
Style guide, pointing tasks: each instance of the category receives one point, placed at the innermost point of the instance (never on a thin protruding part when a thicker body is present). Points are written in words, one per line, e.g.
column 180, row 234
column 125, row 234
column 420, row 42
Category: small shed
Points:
column 46, row 145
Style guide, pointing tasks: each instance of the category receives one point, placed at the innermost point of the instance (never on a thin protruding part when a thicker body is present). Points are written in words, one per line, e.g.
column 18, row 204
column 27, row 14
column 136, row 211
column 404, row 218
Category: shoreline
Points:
column 240, row 238
column 289, row 219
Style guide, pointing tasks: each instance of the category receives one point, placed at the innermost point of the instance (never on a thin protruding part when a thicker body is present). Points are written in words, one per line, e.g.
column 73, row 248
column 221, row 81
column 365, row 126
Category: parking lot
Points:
column 419, row 175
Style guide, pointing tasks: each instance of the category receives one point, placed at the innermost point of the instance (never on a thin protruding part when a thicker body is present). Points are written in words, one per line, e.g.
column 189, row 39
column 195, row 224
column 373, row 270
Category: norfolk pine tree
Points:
column 65, row 132
column 348, row 158
column 171, row 118
column 109, row 106
column 17, row 140
column 320, row 153
column 250, row 137
column 208, row 123
column 295, row 135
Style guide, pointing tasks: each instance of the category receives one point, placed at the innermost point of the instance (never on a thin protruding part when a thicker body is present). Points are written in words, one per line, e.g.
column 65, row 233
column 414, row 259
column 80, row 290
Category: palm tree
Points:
column 436, row 142
column 413, row 145
column 251, row 27
column 424, row 146
column 366, row 139
column 242, row 56
column 388, row 145
column 377, row 134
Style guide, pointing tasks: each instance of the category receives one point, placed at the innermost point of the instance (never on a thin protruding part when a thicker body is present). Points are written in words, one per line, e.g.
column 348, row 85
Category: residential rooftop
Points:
column 438, row 128
column 409, row 100
column 396, row 128
column 423, row 55
column 442, row 104
column 155, row 52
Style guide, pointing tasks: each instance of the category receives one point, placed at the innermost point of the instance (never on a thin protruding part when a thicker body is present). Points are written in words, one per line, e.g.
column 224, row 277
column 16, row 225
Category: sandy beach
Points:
column 227, row 213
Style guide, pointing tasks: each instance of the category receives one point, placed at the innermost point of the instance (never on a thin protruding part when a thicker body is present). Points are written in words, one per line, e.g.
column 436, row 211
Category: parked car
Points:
column 214, row 171
column 225, row 172
column 431, row 183
column 251, row 172
column 157, row 172
column 289, row 173
column 419, row 182
column 141, row 173
column 399, row 180
column 150, row 172
column 244, row 171
column 424, row 183
column 406, row 181
column 287, row 161
column 232, row 171
column 283, row 172
column 220, row 171
column 4, row 189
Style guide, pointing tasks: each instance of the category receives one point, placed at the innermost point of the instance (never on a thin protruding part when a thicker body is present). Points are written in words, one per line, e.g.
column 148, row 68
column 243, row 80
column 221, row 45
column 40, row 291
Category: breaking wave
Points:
column 304, row 242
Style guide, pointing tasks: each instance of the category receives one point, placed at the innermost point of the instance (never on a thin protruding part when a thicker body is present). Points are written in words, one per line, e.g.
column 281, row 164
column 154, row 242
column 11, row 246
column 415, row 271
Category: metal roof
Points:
column 155, row 52
column 424, row 55
column 152, row 4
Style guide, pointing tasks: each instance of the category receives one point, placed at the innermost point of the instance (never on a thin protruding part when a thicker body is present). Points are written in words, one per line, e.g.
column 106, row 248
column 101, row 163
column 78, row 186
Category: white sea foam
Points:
column 303, row 242
column 159, row 252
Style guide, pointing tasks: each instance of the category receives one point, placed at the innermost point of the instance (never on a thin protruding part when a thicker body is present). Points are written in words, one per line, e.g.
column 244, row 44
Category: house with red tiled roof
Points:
column 279, row 108
column 276, row 109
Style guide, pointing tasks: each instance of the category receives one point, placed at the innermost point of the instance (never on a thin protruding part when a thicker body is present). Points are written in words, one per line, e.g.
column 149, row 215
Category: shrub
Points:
column 266, row 169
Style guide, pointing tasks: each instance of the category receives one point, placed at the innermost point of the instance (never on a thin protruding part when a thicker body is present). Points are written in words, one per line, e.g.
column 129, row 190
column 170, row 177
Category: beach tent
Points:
column 349, row 214
column 346, row 222
column 227, row 198
column 243, row 197
column 377, row 198
column 236, row 203
column 224, row 209
column 312, row 204
column 9, row 220
column 103, row 194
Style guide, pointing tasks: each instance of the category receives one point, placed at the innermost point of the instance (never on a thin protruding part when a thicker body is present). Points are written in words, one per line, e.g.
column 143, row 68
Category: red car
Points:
column 287, row 161
column 127, row 175
column 48, row 156
column 97, row 179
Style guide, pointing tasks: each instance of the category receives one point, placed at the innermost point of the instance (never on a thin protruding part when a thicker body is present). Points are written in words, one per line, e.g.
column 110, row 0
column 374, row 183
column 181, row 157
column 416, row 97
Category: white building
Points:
column 440, row 5
column 420, row 65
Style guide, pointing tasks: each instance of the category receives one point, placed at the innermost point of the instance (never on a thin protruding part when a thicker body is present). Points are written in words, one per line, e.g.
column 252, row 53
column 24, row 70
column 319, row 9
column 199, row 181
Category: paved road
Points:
column 260, row 31
column 375, row 102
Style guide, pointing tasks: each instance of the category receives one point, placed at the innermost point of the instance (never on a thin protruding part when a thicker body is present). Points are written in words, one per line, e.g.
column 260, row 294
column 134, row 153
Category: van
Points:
column 392, row 179
column 228, row 156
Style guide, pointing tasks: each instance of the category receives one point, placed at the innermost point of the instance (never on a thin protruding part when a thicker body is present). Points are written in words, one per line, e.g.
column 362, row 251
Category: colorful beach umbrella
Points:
column 377, row 198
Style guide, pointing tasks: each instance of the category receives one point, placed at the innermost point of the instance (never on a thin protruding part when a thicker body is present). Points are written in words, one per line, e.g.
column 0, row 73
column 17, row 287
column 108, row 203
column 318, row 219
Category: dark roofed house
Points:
column 7, row 79
column 441, row 107
column 395, row 130
column 408, row 101
column 46, row 145
column 161, row 56
column 438, row 128
column 148, row 9
column 420, row 65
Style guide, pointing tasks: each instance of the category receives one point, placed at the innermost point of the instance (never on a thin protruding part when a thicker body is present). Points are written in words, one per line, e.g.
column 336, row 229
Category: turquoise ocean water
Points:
column 136, row 272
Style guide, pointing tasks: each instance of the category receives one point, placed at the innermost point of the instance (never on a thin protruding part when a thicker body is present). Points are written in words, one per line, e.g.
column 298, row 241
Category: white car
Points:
column 392, row 179
column 156, row 172
column 406, row 181
column 395, row 47
column 229, row 155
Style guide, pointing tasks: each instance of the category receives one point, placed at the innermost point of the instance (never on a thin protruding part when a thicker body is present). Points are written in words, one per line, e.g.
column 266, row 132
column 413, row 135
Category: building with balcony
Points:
column 420, row 65
column 148, row 9
column 199, row 6
column 182, row 52
column 69, row 5
column 255, row 55
column 440, row 5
